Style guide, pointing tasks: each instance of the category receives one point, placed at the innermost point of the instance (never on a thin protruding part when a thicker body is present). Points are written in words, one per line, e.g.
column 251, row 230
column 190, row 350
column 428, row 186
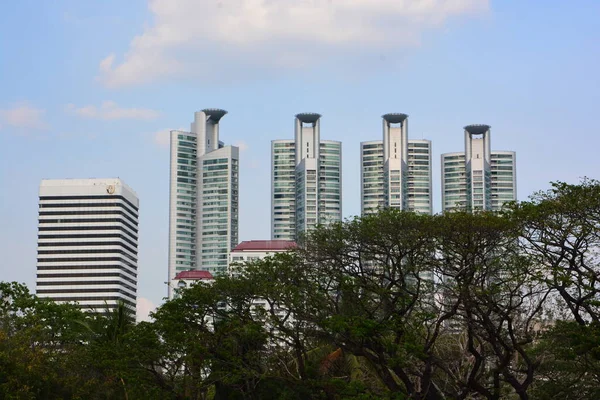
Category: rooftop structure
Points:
column 265, row 245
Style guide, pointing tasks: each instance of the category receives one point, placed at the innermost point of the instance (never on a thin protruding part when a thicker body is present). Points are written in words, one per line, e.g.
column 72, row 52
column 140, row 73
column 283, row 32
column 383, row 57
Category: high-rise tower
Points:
column 479, row 178
column 306, row 182
column 396, row 171
column 87, row 243
column 203, row 212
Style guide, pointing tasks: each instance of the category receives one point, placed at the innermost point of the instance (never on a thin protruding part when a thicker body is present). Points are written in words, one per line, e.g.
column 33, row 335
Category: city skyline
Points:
column 205, row 128
column 192, row 149
column 75, row 103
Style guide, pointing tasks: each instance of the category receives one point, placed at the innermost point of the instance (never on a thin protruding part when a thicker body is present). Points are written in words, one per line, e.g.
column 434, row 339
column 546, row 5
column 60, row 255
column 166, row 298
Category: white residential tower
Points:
column 203, row 209
column 478, row 178
column 396, row 171
column 306, row 183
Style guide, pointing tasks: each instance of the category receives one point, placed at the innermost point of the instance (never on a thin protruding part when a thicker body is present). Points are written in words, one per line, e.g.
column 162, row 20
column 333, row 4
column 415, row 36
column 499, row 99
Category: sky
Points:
column 91, row 89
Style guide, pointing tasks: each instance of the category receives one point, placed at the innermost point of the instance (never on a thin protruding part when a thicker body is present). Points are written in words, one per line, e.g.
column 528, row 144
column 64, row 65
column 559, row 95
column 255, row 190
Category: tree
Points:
column 392, row 305
column 104, row 351
column 40, row 342
column 498, row 299
column 561, row 231
column 375, row 274
column 571, row 367
column 284, row 296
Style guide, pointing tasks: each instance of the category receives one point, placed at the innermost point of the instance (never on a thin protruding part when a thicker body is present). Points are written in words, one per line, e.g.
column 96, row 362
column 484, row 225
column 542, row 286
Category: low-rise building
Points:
column 185, row 279
column 251, row 250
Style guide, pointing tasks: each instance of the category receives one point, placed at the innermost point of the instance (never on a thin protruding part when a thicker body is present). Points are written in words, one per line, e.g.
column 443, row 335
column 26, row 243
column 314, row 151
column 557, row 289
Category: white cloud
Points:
column 106, row 64
column 23, row 116
column 143, row 309
column 109, row 110
column 212, row 38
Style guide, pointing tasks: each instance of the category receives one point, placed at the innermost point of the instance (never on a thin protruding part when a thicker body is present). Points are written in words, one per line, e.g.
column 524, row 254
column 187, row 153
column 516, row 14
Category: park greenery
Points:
column 393, row 305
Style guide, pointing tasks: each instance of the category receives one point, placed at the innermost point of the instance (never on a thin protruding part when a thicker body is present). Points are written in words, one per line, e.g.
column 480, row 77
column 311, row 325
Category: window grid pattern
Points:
column 185, row 201
column 330, row 183
column 283, row 202
column 503, row 178
column 218, row 209
column 454, row 182
column 81, row 234
column 478, row 190
column 406, row 189
column 419, row 177
column 373, row 195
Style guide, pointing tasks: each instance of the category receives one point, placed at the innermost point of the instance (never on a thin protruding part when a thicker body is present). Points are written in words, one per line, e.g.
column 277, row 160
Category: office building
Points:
column 252, row 250
column 203, row 209
column 396, row 171
column 478, row 178
column 88, row 243
column 306, row 183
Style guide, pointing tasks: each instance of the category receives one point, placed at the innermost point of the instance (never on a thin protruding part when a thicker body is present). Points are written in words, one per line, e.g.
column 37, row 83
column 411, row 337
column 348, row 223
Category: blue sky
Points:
column 89, row 89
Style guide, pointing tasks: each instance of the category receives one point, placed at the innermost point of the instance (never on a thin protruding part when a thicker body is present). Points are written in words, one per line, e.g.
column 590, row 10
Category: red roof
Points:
column 194, row 274
column 265, row 245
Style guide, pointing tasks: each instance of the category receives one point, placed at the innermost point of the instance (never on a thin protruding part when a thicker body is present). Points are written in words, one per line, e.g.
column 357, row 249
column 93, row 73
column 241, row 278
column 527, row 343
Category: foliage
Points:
column 393, row 305
column 571, row 369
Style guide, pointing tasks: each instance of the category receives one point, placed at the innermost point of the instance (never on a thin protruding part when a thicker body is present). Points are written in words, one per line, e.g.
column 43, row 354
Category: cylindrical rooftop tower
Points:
column 395, row 139
column 481, row 149
column 308, row 136
column 214, row 114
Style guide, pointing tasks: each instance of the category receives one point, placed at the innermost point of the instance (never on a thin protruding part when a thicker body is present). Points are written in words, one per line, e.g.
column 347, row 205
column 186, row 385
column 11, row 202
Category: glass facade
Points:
column 396, row 171
column 329, row 183
column 203, row 220
column 478, row 179
column 503, row 178
column 185, row 200
column 306, row 181
column 218, row 216
column 283, row 158
column 454, row 183
column 419, row 176
column 372, row 188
